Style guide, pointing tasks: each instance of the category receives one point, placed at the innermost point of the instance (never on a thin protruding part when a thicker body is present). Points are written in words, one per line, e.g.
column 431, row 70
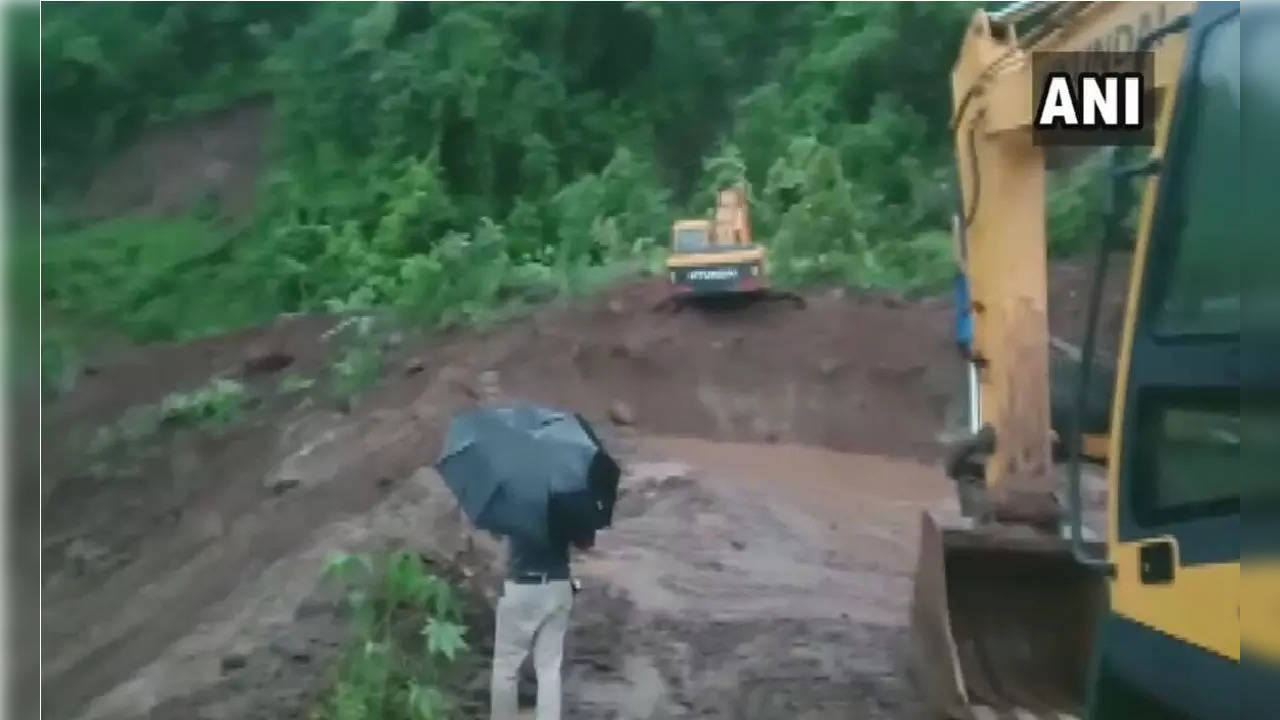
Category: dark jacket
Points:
column 526, row 558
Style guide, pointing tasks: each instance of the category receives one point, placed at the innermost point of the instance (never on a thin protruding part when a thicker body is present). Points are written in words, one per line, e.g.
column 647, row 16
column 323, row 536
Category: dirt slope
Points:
column 174, row 167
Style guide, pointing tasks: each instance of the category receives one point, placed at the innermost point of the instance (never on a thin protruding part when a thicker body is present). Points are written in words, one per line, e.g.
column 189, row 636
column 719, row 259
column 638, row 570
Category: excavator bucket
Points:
column 1002, row 622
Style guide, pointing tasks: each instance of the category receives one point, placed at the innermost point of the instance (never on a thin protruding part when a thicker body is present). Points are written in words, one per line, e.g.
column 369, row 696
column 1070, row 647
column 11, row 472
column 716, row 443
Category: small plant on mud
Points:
column 219, row 403
column 360, row 363
column 408, row 633
column 59, row 364
column 295, row 384
column 137, row 424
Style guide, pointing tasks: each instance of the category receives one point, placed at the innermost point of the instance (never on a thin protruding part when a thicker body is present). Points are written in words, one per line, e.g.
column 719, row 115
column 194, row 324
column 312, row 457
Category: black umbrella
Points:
column 531, row 471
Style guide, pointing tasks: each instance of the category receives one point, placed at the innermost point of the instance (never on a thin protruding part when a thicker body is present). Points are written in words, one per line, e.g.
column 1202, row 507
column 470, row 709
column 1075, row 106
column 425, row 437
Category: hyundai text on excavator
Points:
column 1015, row 612
column 717, row 259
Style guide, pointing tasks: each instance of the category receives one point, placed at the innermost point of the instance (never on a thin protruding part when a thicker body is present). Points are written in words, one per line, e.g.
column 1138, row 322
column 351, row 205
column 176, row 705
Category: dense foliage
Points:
column 446, row 159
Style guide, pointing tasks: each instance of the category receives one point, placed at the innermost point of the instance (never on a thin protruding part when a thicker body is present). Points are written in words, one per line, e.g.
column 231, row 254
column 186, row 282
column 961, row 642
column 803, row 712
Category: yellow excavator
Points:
column 1016, row 613
column 717, row 259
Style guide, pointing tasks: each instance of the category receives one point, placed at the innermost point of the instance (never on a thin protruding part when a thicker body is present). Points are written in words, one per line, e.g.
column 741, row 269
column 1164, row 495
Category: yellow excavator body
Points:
column 1017, row 610
column 717, row 257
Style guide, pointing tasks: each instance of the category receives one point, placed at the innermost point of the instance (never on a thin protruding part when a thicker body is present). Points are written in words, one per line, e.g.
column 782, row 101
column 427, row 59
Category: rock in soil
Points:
column 291, row 648
column 489, row 384
column 829, row 366
column 85, row 555
column 621, row 413
column 266, row 363
column 313, row 607
column 234, row 661
column 282, row 485
column 415, row 366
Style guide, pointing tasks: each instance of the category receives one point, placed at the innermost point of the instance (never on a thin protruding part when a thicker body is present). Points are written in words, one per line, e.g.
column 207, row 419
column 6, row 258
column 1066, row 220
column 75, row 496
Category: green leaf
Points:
column 444, row 638
column 347, row 567
column 86, row 50
column 426, row 703
column 369, row 32
column 407, row 579
column 293, row 383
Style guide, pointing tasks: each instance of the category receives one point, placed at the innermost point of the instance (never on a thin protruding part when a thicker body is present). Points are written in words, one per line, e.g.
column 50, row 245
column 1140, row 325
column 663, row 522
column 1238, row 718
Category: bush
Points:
column 389, row 671
column 154, row 279
column 1074, row 202
column 359, row 364
column 217, row 404
column 214, row 406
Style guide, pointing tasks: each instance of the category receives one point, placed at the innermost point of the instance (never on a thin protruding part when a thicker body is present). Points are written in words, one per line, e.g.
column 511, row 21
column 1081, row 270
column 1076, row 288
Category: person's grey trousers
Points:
column 530, row 617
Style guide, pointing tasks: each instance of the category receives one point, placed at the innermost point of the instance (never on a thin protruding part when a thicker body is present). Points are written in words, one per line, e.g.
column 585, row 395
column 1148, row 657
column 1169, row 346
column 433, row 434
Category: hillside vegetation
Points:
column 448, row 160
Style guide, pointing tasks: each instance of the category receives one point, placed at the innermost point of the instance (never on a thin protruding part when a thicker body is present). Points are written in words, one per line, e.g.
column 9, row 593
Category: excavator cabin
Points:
column 711, row 258
column 716, row 259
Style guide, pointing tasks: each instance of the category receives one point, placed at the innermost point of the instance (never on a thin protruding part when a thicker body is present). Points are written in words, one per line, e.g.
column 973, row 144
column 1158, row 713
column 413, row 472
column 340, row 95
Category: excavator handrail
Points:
column 1016, row 10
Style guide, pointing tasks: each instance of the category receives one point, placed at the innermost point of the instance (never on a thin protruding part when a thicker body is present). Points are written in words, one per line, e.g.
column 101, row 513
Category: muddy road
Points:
column 777, row 462
column 764, row 593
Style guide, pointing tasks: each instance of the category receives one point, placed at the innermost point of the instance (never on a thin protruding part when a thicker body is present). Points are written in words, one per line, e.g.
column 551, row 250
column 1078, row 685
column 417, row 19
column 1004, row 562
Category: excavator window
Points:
column 1201, row 289
column 690, row 240
column 1182, row 460
column 1189, row 463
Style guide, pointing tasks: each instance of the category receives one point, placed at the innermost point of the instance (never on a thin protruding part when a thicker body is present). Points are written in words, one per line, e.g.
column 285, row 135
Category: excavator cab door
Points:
column 1175, row 594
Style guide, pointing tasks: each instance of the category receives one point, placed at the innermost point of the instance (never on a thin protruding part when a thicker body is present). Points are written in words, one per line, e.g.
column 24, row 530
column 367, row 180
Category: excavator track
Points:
column 729, row 301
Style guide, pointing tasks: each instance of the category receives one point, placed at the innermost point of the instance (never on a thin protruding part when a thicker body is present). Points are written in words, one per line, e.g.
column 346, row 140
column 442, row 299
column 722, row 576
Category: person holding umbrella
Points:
column 541, row 478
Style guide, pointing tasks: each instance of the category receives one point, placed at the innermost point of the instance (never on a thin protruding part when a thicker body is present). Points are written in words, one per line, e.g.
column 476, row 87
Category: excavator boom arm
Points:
column 1001, row 173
